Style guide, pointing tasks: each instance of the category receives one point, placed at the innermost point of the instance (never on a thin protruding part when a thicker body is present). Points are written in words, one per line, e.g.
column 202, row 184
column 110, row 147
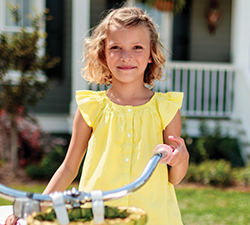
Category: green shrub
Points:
column 49, row 164
column 242, row 175
column 210, row 172
column 192, row 175
column 212, row 145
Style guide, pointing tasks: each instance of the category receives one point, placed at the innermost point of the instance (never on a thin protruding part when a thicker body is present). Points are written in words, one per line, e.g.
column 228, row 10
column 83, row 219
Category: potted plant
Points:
column 175, row 6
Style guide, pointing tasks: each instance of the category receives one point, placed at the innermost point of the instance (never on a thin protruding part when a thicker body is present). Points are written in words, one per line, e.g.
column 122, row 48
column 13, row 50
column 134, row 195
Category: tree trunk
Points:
column 13, row 143
column 2, row 155
column 4, row 139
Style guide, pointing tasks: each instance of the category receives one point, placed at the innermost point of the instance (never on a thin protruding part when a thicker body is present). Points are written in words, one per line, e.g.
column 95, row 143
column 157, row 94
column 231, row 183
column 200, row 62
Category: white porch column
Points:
column 240, row 46
column 80, row 28
column 167, row 20
column 241, row 35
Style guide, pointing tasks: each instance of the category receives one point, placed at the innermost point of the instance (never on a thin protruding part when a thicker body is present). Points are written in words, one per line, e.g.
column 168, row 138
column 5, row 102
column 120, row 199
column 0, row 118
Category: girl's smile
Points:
column 127, row 52
column 126, row 67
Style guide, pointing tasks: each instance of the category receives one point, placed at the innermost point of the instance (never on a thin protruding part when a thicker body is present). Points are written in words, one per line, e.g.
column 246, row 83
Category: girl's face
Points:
column 127, row 52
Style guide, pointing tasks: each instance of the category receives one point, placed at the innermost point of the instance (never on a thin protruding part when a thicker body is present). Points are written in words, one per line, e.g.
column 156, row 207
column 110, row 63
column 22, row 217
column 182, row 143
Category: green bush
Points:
column 212, row 145
column 242, row 175
column 48, row 165
column 210, row 172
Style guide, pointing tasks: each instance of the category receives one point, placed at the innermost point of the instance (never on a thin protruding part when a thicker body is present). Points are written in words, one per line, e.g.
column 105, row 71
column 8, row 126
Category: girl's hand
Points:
column 180, row 154
column 179, row 163
column 11, row 220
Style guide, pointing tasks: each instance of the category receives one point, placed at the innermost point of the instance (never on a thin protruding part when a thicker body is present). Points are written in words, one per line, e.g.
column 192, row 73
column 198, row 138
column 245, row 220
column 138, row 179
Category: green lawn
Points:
column 204, row 206
column 214, row 206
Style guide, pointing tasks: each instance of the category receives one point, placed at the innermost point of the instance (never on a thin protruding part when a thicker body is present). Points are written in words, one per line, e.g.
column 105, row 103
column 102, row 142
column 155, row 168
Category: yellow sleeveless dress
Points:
column 122, row 143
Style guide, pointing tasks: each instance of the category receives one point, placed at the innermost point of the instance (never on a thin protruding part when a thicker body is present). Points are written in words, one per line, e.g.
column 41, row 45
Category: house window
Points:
column 9, row 25
column 25, row 8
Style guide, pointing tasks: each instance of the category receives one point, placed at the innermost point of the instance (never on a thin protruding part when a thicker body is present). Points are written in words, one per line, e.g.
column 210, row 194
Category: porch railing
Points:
column 208, row 88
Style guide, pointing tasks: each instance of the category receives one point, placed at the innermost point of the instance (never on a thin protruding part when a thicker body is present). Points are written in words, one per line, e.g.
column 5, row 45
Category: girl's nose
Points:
column 125, row 56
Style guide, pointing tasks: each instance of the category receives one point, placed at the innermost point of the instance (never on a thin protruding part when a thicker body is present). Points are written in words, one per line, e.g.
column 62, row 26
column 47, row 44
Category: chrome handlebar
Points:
column 74, row 196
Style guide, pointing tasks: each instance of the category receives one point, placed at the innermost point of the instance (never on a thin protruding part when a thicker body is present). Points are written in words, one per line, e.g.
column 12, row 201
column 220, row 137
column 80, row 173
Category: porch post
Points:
column 80, row 28
column 241, row 59
column 167, row 20
column 240, row 35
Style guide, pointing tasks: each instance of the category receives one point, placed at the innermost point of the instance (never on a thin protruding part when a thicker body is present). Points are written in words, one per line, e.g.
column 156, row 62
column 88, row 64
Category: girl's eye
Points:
column 114, row 48
column 137, row 47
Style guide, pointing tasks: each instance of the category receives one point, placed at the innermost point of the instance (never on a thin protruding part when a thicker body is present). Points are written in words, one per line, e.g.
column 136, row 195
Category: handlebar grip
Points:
column 166, row 153
column 163, row 153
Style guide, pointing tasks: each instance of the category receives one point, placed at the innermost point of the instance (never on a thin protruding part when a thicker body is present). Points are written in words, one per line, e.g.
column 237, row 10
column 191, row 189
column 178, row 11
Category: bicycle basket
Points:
column 120, row 215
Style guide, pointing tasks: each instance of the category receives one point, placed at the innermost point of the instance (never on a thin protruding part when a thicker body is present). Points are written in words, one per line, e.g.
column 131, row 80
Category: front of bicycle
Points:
column 69, row 207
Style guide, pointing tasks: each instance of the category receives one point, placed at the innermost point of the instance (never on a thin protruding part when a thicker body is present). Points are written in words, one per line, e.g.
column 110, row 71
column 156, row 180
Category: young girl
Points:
column 121, row 126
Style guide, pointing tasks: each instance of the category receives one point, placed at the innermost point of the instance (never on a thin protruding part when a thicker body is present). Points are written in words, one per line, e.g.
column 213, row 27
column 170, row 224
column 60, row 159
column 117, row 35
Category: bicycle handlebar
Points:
column 75, row 196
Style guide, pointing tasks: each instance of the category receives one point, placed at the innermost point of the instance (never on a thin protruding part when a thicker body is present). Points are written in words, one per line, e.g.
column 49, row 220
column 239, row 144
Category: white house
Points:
column 212, row 69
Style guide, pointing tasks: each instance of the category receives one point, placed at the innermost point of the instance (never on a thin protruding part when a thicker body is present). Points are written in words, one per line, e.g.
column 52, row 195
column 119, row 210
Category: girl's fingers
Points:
column 176, row 139
column 11, row 220
column 180, row 153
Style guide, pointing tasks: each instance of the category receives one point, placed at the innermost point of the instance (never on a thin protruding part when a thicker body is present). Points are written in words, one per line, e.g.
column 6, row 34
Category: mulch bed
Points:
column 19, row 176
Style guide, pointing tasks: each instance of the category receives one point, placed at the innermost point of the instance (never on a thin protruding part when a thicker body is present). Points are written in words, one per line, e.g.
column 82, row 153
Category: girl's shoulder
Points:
column 167, row 105
column 90, row 95
column 172, row 98
column 90, row 104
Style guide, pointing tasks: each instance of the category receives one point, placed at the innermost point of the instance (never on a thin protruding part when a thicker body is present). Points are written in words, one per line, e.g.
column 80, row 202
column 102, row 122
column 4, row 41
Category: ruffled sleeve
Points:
column 89, row 105
column 168, row 105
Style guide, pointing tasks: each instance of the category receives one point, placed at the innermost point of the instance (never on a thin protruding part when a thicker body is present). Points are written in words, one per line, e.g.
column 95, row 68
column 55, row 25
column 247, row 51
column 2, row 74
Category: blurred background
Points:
column 208, row 47
column 208, row 58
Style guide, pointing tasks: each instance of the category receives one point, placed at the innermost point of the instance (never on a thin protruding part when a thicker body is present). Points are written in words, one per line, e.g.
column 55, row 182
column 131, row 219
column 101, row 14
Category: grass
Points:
column 208, row 206
column 203, row 206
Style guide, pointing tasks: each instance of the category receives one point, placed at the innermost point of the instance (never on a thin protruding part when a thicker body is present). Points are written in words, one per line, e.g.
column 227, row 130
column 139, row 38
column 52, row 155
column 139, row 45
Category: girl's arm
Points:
column 177, row 168
column 77, row 148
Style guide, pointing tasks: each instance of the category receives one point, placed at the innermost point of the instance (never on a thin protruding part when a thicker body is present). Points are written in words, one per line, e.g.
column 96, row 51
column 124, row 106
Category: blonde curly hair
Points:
column 96, row 69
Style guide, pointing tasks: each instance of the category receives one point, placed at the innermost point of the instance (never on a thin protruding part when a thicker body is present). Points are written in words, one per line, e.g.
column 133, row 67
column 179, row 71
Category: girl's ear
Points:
column 150, row 60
